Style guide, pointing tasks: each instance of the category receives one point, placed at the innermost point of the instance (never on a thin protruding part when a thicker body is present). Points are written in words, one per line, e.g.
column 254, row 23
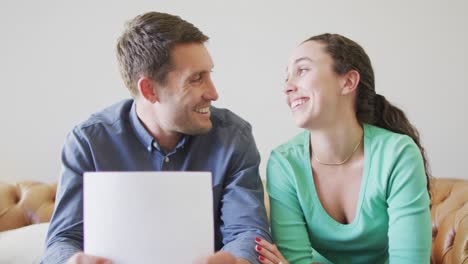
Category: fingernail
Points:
column 258, row 248
column 258, row 239
column 261, row 258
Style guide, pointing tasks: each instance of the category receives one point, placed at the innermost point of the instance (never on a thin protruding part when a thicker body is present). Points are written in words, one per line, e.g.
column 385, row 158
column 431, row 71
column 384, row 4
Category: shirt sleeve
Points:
column 65, row 234
column 243, row 214
column 288, row 224
column 409, row 233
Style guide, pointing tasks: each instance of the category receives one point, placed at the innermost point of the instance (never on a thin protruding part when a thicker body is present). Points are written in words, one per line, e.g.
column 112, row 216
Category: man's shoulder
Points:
column 110, row 117
column 226, row 119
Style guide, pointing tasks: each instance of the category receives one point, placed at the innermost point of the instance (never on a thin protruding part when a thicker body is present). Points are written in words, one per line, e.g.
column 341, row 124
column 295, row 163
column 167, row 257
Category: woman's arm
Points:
column 288, row 224
column 408, row 201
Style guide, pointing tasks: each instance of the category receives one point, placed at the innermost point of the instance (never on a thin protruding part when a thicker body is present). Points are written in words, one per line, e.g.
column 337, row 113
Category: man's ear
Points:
column 350, row 82
column 147, row 88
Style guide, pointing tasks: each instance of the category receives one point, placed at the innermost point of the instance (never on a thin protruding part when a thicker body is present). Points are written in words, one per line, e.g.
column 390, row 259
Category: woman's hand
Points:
column 268, row 253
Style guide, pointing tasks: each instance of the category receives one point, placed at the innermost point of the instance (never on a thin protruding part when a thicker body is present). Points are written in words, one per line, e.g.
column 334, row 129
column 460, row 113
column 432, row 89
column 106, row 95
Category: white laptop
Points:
column 148, row 217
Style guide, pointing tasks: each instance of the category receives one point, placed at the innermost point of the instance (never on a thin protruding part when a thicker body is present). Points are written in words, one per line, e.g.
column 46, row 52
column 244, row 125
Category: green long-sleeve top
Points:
column 392, row 222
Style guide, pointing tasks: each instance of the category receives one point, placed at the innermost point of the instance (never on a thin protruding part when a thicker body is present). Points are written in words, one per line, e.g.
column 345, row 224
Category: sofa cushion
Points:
column 23, row 245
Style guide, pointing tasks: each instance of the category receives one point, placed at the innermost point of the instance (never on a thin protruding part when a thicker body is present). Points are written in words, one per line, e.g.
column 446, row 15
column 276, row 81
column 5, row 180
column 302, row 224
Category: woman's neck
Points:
column 337, row 142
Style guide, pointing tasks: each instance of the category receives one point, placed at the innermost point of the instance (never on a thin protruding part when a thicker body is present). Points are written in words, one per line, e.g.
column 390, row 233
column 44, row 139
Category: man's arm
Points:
column 243, row 213
column 65, row 235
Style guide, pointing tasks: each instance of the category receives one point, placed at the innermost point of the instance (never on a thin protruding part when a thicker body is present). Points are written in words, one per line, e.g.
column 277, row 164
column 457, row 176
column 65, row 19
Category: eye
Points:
column 301, row 71
column 197, row 78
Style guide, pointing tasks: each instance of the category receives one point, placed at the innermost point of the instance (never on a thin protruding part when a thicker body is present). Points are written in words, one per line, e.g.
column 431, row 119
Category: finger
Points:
column 270, row 247
column 268, row 255
column 264, row 260
column 280, row 256
column 81, row 258
column 265, row 244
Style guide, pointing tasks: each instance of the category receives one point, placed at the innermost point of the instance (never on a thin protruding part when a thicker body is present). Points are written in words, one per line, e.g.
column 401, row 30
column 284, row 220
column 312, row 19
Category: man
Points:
column 169, row 125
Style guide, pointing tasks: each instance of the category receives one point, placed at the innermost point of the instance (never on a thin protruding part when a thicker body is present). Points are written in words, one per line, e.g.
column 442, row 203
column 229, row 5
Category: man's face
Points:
column 185, row 98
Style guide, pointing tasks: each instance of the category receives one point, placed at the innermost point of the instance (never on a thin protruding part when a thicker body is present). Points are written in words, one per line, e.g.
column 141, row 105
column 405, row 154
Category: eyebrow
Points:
column 301, row 59
column 203, row 71
column 206, row 71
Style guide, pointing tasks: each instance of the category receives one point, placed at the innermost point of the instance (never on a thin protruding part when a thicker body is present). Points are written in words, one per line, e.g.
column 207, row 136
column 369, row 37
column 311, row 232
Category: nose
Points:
column 210, row 93
column 289, row 87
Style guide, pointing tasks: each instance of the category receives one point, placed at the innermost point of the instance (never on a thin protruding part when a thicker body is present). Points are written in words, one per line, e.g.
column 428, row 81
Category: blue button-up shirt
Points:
column 116, row 140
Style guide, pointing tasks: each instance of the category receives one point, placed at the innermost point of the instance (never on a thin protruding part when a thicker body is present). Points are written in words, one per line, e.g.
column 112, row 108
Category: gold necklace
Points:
column 341, row 162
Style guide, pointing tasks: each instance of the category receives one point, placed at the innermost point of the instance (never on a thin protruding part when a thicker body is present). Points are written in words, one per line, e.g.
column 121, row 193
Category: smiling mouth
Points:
column 297, row 103
column 204, row 110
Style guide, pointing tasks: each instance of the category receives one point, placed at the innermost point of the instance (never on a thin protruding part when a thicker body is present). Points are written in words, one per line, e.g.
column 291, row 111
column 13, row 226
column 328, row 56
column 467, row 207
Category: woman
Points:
column 353, row 187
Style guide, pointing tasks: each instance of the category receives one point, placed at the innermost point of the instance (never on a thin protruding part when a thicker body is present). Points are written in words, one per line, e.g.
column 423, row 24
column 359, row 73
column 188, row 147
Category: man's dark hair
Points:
column 146, row 44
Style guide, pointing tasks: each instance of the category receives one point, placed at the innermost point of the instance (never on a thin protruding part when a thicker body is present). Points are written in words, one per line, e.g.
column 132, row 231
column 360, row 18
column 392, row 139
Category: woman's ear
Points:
column 147, row 89
column 350, row 82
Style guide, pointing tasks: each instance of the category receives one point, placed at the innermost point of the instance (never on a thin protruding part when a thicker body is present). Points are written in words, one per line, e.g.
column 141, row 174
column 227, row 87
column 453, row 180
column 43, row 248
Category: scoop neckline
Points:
column 362, row 191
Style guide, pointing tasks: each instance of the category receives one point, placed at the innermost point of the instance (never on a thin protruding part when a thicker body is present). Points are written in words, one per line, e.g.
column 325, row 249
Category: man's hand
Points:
column 218, row 258
column 81, row 258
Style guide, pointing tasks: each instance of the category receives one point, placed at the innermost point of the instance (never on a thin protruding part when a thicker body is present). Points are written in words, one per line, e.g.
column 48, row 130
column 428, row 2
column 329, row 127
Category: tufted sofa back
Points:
column 25, row 203
column 28, row 203
column 449, row 215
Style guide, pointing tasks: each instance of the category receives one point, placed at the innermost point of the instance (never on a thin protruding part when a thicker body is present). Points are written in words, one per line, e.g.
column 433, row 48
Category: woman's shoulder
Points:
column 287, row 161
column 389, row 145
column 385, row 138
column 295, row 146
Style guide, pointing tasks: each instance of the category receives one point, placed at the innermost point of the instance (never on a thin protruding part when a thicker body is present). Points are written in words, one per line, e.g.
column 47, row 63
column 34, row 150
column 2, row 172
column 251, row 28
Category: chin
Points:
column 204, row 130
column 198, row 130
column 301, row 123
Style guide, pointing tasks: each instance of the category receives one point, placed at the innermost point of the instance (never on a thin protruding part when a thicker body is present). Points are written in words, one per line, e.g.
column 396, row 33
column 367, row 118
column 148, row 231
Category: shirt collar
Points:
column 145, row 137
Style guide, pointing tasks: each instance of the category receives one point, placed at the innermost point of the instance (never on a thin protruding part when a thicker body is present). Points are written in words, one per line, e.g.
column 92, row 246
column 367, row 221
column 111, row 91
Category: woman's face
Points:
column 312, row 87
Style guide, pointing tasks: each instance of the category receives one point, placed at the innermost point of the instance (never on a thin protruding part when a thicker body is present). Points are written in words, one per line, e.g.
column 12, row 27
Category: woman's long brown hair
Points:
column 371, row 108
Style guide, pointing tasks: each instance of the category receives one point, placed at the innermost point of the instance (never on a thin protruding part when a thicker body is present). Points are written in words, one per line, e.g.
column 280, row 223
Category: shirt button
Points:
column 166, row 159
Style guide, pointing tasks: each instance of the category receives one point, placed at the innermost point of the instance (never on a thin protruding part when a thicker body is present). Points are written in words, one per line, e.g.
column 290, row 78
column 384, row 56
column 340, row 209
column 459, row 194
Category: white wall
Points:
column 57, row 66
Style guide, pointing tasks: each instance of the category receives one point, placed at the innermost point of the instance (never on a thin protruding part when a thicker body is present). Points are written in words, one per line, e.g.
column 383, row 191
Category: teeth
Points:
column 202, row 110
column 297, row 103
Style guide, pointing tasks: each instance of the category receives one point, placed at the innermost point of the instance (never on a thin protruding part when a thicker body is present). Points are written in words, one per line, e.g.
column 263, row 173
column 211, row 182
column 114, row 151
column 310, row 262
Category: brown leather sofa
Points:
column 449, row 215
column 29, row 203
column 25, row 203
